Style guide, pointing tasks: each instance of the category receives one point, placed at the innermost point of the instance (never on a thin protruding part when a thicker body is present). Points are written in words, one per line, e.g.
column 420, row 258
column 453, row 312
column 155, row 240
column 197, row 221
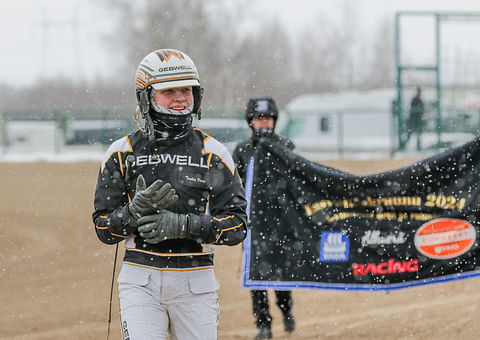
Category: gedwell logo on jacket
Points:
column 166, row 158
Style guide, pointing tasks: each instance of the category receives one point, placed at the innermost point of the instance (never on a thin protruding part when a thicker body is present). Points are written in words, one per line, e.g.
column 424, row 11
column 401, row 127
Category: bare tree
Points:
column 182, row 24
column 264, row 65
column 318, row 57
column 380, row 66
column 234, row 63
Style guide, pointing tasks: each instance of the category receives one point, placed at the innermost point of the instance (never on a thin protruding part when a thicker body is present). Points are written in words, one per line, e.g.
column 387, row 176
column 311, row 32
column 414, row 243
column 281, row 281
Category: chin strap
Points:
column 142, row 113
column 197, row 101
column 147, row 130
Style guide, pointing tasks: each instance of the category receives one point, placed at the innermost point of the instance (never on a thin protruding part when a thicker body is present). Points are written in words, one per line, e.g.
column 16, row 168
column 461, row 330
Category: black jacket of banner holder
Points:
column 245, row 150
column 242, row 155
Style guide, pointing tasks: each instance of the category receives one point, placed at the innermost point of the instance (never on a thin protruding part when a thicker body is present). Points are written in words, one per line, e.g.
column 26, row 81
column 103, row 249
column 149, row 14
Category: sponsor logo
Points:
column 170, row 159
column 174, row 68
column 375, row 237
column 165, row 55
column 334, row 247
column 383, row 268
column 445, row 238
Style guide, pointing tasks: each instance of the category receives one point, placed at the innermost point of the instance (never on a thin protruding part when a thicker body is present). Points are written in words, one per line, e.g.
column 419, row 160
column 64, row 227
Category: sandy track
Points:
column 55, row 275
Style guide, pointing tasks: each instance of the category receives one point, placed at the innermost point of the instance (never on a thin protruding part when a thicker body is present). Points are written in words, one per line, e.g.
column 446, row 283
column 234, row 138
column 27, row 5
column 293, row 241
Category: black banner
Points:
column 317, row 227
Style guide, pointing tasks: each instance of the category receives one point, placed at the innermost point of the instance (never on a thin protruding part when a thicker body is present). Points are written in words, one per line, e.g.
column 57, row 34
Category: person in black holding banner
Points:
column 261, row 115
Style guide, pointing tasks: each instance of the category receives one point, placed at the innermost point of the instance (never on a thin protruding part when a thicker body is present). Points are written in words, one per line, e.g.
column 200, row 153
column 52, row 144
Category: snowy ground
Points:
column 314, row 148
column 65, row 154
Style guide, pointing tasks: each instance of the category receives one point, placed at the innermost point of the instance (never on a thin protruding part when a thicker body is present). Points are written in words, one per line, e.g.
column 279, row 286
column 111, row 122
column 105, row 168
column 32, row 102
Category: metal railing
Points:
column 331, row 133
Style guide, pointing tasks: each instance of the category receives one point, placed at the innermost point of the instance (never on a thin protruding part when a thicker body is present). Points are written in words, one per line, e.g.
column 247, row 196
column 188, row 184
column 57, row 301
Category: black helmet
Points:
column 261, row 107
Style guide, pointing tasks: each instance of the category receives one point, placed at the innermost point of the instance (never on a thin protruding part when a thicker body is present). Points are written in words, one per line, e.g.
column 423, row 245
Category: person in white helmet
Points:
column 261, row 115
column 172, row 193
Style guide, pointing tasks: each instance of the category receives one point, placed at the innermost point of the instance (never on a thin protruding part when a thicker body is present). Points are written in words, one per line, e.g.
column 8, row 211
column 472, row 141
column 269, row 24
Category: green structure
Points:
column 399, row 107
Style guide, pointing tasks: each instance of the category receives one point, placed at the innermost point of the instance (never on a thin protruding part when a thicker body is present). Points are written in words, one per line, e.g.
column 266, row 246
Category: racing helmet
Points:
column 164, row 69
column 261, row 107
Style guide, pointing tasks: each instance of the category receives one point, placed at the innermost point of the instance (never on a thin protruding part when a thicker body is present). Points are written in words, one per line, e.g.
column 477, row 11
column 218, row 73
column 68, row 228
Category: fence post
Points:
column 103, row 134
column 4, row 132
column 57, row 133
column 340, row 136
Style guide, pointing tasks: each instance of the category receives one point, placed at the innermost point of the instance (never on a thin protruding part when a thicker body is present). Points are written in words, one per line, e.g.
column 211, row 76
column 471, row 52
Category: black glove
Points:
column 147, row 201
column 166, row 225
column 151, row 200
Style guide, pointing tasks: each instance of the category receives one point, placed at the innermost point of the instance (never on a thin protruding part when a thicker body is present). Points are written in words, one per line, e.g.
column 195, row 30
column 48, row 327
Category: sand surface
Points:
column 55, row 275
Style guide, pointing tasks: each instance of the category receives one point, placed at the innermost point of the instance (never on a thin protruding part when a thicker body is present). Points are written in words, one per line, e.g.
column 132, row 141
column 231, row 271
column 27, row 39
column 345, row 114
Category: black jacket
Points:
column 245, row 150
column 203, row 174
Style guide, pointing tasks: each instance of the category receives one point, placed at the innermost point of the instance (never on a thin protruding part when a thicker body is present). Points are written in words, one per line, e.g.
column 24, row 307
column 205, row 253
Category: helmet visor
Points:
column 173, row 83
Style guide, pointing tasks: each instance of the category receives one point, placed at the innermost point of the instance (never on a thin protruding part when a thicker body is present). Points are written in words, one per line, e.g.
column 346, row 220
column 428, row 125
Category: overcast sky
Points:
column 48, row 38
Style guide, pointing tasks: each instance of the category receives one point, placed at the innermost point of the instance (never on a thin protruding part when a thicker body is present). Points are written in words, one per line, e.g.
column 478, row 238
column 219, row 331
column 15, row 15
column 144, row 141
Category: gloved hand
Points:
column 151, row 200
column 147, row 201
column 164, row 226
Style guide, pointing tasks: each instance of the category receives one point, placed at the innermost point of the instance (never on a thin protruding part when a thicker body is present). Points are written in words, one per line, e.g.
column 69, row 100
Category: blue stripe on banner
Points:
column 246, row 261
column 284, row 285
column 248, row 185
column 246, row 242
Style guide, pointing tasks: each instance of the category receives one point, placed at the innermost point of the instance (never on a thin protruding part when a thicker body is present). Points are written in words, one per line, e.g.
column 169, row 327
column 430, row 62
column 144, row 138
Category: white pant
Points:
column 153, row 301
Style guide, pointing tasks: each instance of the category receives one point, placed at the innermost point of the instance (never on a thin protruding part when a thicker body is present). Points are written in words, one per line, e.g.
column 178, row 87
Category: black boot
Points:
column 288, row 321
column 263, row 332
column 261, row 313
column 285, row 302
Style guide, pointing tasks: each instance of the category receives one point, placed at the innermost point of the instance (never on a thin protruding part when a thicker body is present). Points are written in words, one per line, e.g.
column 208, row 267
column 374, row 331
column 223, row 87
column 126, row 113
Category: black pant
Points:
column 418, row 133
column 284, row 301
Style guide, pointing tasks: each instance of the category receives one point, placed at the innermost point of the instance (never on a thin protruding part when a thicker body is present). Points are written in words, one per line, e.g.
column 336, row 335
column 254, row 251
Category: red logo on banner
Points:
column 445, row 238
column 389, row 267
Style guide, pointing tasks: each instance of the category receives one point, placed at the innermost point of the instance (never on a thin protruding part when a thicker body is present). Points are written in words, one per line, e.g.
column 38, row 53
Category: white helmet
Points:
column 164, row 69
